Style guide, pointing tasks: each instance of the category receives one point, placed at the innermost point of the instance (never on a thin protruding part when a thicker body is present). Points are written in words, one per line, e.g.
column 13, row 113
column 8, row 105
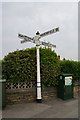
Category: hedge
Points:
column 0, row 69
column 79, row 70
column 71, row 67
column 21, row 66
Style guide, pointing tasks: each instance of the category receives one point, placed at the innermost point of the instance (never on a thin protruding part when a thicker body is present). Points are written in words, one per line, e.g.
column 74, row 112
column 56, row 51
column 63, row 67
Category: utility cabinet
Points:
column 65, row 88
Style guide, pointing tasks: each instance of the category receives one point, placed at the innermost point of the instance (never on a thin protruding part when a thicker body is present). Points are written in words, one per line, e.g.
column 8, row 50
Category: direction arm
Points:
column 49, row 32
column 48, row 44
column 25, row 38
column 51, row 45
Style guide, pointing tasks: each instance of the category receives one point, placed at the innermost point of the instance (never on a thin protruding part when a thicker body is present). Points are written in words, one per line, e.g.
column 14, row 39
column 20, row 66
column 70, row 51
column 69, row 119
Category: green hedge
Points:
column 79, row 70
column 21, row 65
column 71, row 67
column 0, row 69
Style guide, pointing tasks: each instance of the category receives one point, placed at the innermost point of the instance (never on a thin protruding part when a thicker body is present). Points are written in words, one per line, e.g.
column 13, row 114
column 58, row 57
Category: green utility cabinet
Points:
column 2, row 93
column 65, row 88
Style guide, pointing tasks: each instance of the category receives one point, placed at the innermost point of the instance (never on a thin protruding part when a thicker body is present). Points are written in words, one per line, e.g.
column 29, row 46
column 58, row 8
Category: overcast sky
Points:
column 27, row 18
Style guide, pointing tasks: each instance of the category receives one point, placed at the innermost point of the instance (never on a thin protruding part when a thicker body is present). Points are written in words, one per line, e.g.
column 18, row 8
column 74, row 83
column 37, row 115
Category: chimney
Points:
column 59, row 57
column 64, row 59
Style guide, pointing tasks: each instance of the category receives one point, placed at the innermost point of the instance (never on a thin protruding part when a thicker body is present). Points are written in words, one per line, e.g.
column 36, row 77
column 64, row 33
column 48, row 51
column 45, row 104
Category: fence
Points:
column 21, row 85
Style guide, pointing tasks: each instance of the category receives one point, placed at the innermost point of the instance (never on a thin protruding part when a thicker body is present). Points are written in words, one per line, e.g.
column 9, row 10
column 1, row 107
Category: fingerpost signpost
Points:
column 36, row 40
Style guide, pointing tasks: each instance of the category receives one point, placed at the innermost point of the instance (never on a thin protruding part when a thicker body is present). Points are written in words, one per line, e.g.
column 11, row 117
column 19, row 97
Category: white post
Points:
column 39, row 98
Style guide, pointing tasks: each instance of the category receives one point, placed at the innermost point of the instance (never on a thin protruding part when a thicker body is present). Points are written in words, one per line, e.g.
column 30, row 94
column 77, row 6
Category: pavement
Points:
column 51, row 108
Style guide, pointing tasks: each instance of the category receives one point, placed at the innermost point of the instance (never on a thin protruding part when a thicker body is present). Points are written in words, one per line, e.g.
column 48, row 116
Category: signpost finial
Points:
column 37, row 33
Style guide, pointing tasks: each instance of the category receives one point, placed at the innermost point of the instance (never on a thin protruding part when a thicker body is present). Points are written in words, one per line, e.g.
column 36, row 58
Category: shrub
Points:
column 0, row 69
column 79, row 70
column 50, row 67
column 21, row 65
column 70, row 67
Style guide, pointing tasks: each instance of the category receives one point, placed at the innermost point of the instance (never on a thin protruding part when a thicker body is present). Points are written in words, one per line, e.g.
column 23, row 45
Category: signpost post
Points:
column 38, row 43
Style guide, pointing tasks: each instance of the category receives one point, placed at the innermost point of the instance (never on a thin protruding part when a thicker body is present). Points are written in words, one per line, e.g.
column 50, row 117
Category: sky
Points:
column 29, row 17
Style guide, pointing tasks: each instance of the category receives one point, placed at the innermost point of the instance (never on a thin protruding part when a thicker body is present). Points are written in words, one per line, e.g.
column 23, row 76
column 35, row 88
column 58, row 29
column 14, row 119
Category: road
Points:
column 51, row 108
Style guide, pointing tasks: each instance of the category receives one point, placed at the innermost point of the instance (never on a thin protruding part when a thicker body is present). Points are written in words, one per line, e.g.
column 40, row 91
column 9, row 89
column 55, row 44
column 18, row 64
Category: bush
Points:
column 70, row 67
column 21, row 65
column 79, row 70
column 50, row 67
column 0, row 69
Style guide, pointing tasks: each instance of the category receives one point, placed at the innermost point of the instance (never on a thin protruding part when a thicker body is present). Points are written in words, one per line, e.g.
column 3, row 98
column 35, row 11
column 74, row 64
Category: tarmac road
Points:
column 51, row 108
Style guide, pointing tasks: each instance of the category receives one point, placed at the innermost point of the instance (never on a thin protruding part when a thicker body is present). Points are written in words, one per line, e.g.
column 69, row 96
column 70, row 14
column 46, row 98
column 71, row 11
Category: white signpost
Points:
column 38, row 43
